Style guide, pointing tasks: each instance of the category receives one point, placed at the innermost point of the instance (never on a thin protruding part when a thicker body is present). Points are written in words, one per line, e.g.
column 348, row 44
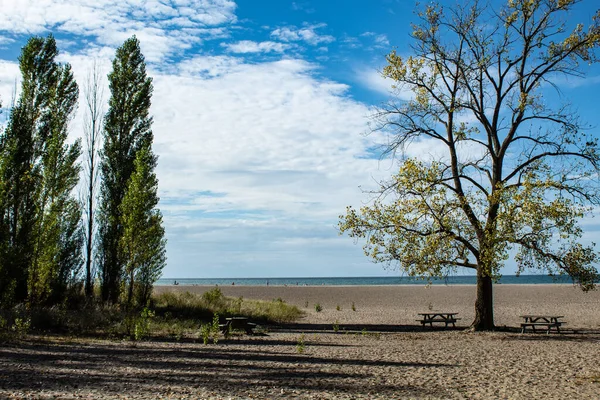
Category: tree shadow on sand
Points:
column 187, row 369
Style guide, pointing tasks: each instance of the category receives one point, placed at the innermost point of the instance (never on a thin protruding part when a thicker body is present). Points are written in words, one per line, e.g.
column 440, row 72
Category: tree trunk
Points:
column 130, row 293
column 484, row 305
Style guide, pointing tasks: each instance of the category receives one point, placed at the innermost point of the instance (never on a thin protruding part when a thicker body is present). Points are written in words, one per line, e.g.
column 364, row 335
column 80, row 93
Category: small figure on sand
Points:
column 175, row 283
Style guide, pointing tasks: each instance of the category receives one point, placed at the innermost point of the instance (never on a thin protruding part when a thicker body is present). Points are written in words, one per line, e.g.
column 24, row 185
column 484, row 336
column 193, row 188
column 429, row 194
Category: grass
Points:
column 185, row 305
column 173, row 315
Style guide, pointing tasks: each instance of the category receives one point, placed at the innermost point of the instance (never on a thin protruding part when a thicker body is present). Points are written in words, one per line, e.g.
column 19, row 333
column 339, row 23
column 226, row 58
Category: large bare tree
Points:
column 514, row 170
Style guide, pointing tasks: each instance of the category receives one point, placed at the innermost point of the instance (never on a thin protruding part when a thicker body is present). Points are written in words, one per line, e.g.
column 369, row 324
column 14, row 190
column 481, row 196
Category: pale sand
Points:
column 400, row 304
column 404, row 364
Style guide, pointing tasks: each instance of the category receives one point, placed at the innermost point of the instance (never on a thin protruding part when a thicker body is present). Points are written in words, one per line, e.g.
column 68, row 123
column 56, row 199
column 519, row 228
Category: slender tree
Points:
column 142, row 243
column 127, row 125
column 92, row 126
column 58, row 225
column 38, row 170
column 516, row 173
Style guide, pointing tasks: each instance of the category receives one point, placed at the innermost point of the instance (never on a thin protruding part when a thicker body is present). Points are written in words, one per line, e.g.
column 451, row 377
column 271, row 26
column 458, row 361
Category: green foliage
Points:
column 213, row 297
column 338, row 308
column 210, row 331
column 189, row 305
column 142, row 325
column 300, row 345
column 40, row 236
column 127, row 129
column 353, row 307
column 142, row 246
column 318, row 307
column 336, row 326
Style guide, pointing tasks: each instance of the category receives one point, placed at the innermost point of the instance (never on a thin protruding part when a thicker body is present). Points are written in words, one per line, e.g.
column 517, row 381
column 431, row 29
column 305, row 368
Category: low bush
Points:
column 170, row 314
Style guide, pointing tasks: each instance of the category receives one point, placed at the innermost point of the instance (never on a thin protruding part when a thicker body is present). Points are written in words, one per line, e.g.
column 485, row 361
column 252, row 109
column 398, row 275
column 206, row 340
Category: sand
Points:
column 379, row 352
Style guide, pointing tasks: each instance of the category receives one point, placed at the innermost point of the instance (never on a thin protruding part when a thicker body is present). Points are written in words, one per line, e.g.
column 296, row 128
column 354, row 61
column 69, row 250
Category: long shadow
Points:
column 351, row 328
column 96, row 366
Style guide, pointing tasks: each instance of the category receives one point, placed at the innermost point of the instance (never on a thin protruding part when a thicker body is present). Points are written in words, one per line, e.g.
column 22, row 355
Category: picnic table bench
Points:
column 438, row 317
column 547, row 321
column 237, row 323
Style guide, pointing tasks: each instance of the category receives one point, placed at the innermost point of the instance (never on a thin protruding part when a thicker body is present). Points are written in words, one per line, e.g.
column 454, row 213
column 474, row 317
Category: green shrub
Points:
column 318, row 307
column 210, row 331
column 336, row 326
column 142, row 324
column 213, row 297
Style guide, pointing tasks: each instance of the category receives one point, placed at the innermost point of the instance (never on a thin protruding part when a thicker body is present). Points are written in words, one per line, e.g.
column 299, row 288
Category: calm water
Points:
column 357, row 281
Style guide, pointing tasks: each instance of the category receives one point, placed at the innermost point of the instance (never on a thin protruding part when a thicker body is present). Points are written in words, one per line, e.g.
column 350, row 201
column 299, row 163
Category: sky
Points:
column 261, row 112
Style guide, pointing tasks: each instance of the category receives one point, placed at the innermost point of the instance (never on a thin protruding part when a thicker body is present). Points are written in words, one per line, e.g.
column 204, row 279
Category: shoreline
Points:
column 400, row 304
column 369, row 286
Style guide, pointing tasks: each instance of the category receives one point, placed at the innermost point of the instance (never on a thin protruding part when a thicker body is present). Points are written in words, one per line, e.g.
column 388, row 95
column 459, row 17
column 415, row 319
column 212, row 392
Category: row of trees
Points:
column 47, row 234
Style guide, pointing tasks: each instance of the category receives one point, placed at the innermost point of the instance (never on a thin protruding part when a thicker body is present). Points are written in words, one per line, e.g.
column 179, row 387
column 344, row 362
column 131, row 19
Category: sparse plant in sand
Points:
column 336, row 326
column 300, row 346
column 318, row 307
column 338, row 308
column 353, row 307
column 210, row 331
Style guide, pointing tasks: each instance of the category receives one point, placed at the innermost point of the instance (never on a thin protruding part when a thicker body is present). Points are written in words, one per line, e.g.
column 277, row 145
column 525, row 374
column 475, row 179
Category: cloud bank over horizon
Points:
column 261, row 113
column 257, row 156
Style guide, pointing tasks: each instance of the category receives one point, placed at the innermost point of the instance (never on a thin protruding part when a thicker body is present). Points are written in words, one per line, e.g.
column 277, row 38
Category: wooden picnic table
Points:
column 438, row 317
column 536, row 320
column 237, row 323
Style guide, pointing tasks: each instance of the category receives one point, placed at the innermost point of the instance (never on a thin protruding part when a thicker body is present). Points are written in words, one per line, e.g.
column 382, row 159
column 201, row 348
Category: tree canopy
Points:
column 127, row 128
column 514, row 169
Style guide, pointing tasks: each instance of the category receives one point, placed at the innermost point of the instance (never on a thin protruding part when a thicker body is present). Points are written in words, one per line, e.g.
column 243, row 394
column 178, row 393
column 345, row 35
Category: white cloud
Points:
column 249, row 46
column 163, row 28
column 255, row 156
column 372, row 79
column 379, row 40
column 10, row 78
column 256, row 160
column 306, row 34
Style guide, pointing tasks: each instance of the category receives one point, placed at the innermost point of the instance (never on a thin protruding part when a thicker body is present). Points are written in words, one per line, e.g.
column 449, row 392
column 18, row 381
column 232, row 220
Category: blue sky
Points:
column 260, row 110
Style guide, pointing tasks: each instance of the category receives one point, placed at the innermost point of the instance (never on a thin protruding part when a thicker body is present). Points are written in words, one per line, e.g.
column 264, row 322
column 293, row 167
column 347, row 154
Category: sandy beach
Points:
column 379, row 352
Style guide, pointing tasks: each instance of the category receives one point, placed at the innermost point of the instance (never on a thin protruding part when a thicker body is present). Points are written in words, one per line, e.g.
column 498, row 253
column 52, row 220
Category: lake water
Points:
column 358, row 281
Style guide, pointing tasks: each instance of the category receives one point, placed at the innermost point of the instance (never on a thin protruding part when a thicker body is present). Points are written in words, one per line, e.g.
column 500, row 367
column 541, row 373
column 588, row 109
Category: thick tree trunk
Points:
column 484, row 305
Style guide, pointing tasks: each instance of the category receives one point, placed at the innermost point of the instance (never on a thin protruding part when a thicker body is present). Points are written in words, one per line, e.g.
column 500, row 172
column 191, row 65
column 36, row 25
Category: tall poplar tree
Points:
column 143, row 243
column 38, row 170
column 126, row 127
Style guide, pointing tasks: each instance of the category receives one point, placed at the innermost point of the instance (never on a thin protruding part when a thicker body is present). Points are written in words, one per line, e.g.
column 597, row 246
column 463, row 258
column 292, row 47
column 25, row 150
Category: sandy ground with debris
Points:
column 378, row 352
